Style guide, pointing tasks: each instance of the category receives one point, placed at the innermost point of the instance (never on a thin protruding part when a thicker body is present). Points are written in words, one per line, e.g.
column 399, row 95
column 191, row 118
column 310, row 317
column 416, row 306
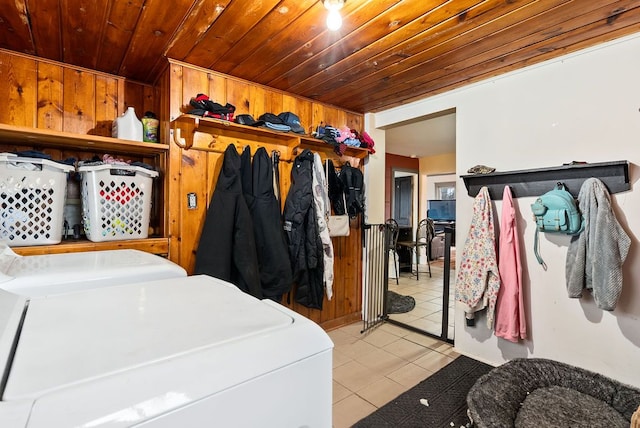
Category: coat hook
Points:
column 179, row 139
column 214, row 140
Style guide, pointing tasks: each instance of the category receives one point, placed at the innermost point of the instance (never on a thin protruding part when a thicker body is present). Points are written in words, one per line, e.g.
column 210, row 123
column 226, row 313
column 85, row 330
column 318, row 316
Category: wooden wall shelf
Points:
column 43, row 139
column 185, row 127
column 535, row 182
column 319, row 145
column 159, row 246
column 36, row 137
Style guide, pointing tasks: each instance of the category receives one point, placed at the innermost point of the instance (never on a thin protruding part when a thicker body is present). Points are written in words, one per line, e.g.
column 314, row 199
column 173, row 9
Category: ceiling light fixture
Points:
column 334, row 20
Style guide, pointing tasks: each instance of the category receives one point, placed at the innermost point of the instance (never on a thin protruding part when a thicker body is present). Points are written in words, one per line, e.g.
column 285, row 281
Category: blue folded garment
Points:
column 277, row 126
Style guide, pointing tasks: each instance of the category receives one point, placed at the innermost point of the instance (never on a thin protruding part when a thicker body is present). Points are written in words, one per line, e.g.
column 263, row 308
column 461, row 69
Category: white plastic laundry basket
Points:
column 32, row 192
column 116, row 201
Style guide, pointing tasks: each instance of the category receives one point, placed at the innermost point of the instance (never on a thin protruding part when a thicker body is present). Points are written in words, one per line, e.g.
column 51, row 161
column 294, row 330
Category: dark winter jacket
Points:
column 227, row 248
column 336, row 190
column 301, row 227
column 353, row 183
column 271, row 245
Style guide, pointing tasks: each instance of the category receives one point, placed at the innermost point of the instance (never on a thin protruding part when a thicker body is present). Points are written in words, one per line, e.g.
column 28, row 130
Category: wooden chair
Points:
column 424, row 234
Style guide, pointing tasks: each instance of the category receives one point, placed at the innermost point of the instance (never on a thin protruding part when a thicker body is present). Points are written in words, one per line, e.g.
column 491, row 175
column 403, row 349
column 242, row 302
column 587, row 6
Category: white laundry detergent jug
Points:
column 127, row 126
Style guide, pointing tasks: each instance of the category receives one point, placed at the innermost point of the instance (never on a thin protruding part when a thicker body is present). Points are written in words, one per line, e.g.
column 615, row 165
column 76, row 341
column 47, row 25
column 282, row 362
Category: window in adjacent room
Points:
column 446, row 191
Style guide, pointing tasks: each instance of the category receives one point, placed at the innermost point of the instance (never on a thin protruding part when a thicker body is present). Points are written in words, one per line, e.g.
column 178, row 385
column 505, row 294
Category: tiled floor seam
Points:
column 364, row 399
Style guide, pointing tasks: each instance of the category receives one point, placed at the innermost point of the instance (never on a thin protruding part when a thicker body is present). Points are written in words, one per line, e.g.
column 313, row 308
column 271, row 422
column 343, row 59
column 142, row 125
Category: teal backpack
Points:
column 556, row 212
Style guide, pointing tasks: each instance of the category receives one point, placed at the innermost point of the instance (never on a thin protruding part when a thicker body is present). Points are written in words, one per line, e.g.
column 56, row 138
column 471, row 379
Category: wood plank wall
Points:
column 193, row 171
column 46, row 94
column 40, row 93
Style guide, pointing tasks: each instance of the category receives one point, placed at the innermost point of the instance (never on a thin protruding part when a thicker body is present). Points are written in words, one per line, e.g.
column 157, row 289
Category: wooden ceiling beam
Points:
column 16, row 27
column 237, row 19
column 359, row 46
column 118, row 33
column 327, row 50
column 365, row 61
column 481, row 44
column 387, row 52
column 564, row 42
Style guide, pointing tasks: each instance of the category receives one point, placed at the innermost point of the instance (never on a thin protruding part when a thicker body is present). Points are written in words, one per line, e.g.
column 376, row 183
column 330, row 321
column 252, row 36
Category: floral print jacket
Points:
column 478, row 279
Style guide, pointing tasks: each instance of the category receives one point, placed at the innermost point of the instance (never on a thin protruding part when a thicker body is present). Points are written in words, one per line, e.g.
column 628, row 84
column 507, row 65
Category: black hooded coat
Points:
column 353, row 182
column 271, row 245
column 227, row 247
column 303, row 237
column 336, row 190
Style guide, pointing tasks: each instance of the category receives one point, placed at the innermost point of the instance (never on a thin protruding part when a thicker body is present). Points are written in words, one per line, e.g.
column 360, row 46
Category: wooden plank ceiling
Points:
column 388, row 52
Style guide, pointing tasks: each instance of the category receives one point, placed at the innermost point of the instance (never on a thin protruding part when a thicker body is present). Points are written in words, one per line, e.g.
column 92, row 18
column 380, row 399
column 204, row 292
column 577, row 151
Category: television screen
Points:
column 441, row 210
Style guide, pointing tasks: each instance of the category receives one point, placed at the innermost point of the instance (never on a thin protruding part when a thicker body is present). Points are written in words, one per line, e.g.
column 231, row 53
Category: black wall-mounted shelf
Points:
column 535, row 182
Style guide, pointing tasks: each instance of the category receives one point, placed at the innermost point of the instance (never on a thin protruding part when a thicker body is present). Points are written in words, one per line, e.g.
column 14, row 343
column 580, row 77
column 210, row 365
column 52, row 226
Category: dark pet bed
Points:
column 534, row 392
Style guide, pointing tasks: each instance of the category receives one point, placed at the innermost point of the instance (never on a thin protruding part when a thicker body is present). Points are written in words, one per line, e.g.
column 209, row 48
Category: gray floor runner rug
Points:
column 446, row 393
column 399, row 304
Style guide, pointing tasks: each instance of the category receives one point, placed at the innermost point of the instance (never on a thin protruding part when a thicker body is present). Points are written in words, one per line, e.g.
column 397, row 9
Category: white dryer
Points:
column 48, row 274
column 186, row 352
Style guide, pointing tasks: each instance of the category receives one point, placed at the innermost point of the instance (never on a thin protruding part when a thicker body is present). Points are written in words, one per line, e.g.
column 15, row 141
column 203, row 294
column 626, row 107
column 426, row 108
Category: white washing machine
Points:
column 186, row 352
column 42, row 275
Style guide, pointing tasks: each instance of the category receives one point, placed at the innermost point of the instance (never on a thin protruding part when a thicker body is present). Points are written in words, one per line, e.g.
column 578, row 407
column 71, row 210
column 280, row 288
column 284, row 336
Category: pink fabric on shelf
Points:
column 345, row 133
column 510, row 319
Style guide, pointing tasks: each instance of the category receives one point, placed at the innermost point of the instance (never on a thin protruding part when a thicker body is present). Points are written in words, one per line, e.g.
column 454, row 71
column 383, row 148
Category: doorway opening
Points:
column 405, row 193
column 430, row 141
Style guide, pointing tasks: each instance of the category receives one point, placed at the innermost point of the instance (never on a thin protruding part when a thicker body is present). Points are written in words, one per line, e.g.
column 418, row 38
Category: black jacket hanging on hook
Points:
column 336, row 189
column 303, row 237
column 227, row 247
column 353, row 183
column 271, row 246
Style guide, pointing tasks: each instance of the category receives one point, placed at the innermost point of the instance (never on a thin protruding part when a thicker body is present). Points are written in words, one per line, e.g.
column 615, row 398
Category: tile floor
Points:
column 373, row 368
column 427, row 292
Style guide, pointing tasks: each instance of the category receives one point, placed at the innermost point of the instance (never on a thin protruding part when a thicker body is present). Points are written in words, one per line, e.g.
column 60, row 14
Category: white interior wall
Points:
column 374, row 174
column 584, row 106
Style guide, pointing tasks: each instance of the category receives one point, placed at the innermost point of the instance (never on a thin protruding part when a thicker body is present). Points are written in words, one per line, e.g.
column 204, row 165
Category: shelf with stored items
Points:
column 198, row 151
column 19, row 135
column 223, row 132
column 62, row 145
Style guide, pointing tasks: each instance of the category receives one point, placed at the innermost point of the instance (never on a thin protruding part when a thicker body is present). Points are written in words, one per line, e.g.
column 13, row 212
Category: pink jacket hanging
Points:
column 510, row 319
